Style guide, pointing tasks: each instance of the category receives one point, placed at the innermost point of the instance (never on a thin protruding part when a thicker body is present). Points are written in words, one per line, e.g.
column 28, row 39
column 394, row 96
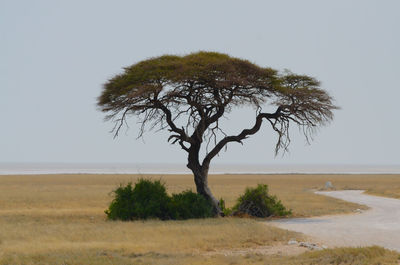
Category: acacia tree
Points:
column 198, row 89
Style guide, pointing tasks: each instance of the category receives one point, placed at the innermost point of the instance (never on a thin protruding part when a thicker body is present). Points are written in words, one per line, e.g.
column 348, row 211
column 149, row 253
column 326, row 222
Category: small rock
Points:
column 292, row 242
column 305, row 244
column 310, row 246
column 358, row 210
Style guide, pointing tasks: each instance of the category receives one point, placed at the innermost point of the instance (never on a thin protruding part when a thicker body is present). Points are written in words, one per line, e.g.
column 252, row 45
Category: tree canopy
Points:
column 202, row 87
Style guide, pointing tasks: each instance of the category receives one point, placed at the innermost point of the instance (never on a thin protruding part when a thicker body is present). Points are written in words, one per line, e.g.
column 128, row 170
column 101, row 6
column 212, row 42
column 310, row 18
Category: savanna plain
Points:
column 59, row 219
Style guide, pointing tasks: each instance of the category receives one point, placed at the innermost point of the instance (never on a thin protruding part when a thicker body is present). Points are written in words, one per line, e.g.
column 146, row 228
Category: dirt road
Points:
column 380, row 225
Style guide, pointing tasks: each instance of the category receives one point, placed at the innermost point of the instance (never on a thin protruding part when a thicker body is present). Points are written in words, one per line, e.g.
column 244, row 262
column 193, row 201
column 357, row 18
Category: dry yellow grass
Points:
column 90, row 193
column 59, row 219
column 34, row 234
column 339, row 256
column 343, row 256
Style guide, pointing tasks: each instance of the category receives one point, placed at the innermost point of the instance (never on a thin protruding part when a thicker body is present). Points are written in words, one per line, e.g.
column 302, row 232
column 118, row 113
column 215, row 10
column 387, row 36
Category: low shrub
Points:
column 187, row 205
column 122, row 207
column 148, row 199
column 258, row 203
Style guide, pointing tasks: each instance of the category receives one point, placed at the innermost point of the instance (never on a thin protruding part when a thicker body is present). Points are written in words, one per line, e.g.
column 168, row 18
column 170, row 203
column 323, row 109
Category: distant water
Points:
column 115, row 168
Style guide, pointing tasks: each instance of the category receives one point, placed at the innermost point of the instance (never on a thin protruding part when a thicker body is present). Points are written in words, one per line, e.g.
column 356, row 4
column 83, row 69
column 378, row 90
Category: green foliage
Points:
column 122, row 207
column 149, row 199
column 187, row 204
column 139, row 80
column 225, row 211
column 257, row 202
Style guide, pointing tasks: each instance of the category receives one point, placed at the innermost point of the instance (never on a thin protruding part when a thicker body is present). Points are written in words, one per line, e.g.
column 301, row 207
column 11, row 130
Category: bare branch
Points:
column 170, row 122
column 119, row 123
column 243, row 135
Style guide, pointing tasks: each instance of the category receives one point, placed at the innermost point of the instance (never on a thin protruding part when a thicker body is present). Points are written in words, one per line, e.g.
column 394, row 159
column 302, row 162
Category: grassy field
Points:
column 59, row 219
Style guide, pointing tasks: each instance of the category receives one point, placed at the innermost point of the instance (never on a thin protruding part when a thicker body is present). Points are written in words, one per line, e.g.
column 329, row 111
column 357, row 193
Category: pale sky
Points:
column 55, row 56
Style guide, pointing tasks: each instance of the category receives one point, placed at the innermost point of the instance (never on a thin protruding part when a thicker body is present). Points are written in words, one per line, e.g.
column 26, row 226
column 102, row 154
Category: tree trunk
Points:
column 200, row 173
column 201, row 180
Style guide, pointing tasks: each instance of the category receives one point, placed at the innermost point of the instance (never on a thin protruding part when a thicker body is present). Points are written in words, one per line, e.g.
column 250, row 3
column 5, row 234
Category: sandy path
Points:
column 379, row 225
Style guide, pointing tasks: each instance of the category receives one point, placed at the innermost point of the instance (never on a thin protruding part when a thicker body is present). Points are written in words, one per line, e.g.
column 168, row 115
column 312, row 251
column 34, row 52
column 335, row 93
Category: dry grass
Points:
column 59, row 219
column 27, row 234
column 342, row 256
column 338, row 256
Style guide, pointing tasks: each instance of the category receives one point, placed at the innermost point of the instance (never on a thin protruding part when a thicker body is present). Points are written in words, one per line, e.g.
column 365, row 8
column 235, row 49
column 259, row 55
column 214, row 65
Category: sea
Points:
column 159, row 168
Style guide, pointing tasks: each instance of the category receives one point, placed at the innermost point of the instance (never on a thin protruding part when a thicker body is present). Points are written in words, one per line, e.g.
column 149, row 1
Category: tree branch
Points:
column 241, row 136
column 174, row 128
column 119, row 123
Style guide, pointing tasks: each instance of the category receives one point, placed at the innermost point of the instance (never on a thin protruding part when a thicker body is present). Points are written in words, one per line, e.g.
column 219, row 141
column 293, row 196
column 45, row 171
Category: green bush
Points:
column 187, row 205
column 122, row 207
column 148, row 199
column 257, row 202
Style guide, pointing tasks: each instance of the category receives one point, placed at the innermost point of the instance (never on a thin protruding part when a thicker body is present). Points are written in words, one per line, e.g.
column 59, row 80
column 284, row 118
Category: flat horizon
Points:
column 32, row 168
